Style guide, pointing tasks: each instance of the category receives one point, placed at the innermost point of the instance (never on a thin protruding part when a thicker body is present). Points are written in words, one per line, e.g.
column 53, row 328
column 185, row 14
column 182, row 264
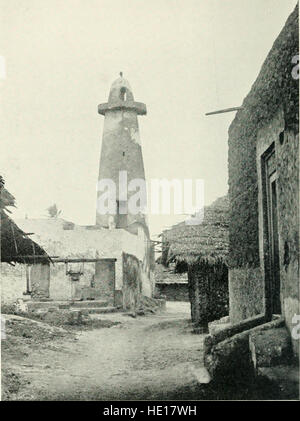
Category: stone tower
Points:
column 121, row 151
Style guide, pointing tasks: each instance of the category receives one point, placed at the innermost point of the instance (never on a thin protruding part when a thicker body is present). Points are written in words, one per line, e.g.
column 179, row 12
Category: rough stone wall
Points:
column 246, row 292
column 287, row 169
column 275, row 89
column 13, row 282
column 208, row 292
column 148, row 263
column 132, row 287
column 288, row 212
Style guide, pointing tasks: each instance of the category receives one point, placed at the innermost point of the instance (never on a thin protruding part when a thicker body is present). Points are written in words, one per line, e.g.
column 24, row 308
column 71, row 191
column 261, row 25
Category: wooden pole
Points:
column 13, row 233
column 27, row 279
column 82, row 260
column 197, row 299
column 225, row 110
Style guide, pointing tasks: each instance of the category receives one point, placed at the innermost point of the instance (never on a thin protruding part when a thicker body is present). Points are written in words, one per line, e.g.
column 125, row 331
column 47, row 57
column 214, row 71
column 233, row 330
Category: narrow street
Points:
column 150, row 357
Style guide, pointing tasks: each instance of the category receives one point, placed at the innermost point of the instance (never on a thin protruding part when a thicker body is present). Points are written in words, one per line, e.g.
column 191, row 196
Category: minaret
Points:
column 121, row 152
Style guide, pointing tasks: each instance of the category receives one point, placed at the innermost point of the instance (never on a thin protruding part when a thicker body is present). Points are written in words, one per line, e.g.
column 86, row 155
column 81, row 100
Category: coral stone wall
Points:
column 274, row 91
column 288, row 215
column 132, row 286
column 246, row 292
column 13, row 282
column 208, row 292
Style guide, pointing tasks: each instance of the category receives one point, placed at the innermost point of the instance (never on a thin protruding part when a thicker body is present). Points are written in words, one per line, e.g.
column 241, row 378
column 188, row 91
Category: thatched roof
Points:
column 6, row 199
column 16, row 246
column 207, row 241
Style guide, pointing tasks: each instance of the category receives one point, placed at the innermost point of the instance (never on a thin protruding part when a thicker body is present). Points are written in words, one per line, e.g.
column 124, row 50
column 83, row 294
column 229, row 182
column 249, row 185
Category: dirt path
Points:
column 151, row 357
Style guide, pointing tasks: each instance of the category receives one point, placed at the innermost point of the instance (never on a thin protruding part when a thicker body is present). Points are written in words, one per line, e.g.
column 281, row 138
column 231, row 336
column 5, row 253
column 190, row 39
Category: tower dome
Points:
column 120, row 90
column 121, row 97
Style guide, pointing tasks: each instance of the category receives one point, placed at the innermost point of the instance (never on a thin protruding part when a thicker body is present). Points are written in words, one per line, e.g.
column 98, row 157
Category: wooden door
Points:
column 273, row 238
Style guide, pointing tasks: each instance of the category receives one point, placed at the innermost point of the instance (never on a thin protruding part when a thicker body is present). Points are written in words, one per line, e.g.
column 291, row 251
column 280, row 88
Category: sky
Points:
column 183, row 58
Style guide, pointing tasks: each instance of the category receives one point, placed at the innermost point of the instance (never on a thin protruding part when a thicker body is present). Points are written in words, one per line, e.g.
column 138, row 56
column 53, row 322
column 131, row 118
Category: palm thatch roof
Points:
column 16, row 246
column 207, row 241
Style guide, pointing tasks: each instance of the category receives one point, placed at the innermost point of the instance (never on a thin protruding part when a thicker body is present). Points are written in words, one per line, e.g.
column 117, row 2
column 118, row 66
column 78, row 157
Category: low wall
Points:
column 227, row 354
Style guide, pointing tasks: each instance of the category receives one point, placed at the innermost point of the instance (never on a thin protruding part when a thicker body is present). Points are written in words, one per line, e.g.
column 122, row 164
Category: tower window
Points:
column 281, row 137
column 123, row 94
column 123, row 153
column 122, row 212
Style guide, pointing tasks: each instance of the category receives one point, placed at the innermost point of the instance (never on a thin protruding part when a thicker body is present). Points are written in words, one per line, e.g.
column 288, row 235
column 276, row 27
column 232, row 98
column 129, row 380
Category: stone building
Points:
column 263, row 256
column 264, row 190
column 92, row 262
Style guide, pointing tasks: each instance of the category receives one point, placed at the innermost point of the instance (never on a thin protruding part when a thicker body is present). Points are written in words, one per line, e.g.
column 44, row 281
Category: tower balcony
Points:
column 138, row 107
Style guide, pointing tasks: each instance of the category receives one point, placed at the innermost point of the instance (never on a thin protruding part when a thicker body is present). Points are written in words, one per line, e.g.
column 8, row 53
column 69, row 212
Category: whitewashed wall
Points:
column 75, row 243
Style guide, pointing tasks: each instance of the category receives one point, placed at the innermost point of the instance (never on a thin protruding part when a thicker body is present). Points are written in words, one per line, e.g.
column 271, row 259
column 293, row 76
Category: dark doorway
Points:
column 272, row 228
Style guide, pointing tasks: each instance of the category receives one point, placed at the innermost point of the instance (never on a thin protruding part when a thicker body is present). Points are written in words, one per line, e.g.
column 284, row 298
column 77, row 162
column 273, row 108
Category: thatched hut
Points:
column 16, row 246
column 202, row 250
column 20, row 255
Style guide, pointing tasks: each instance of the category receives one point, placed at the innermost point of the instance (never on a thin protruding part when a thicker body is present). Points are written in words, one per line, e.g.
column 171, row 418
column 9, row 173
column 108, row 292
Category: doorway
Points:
column 271, row 218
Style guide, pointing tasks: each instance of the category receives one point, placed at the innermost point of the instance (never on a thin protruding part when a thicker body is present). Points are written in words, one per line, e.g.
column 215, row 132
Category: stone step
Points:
column 270, row 347
column 45, row 305
column 36, row 305
column 98, row 310
column 89, row 303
